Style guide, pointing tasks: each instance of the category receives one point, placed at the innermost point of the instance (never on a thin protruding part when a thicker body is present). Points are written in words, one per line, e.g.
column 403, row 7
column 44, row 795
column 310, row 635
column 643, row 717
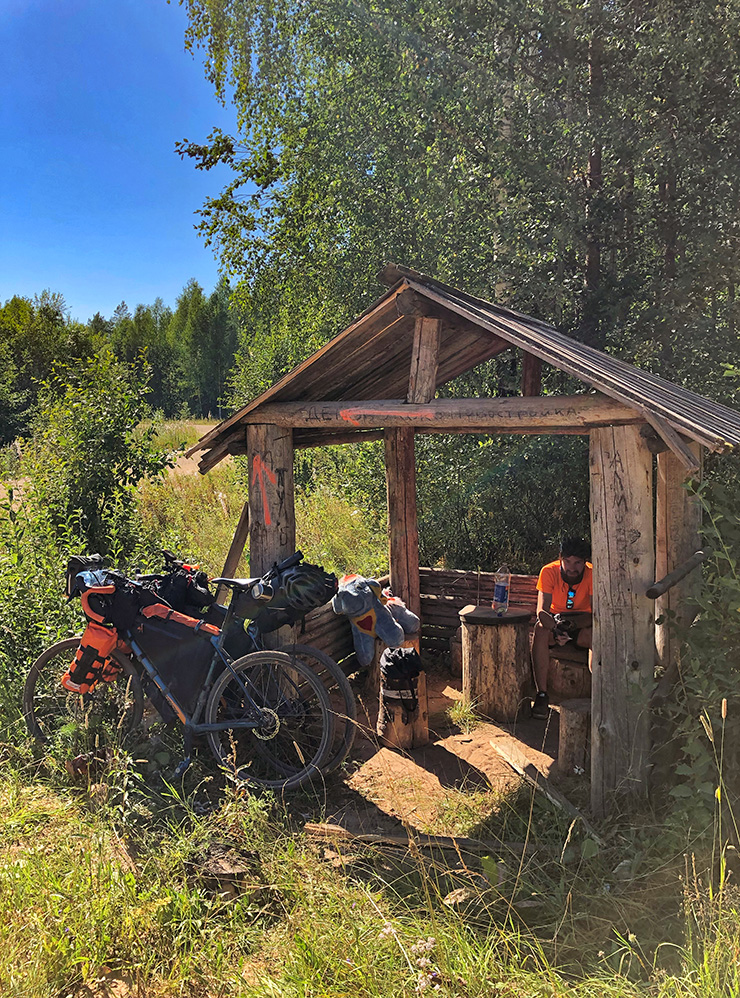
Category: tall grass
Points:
column 197, row 515
column 89, row 891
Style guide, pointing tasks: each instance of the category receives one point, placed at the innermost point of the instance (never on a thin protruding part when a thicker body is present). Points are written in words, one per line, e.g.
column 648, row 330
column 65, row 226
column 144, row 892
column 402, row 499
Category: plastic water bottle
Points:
column 501, row 587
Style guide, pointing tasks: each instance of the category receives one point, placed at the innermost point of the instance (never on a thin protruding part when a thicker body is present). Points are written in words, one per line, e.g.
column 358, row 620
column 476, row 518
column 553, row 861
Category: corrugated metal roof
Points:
column 371, row 359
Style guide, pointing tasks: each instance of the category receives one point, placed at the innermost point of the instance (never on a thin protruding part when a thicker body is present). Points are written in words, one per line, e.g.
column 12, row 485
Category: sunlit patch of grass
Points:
column 463, row 715
column 194, row 515
column 462, row 812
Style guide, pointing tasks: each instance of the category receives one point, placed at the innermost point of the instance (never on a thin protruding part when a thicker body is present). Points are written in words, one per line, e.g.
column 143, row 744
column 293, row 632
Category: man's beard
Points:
column 571, row 582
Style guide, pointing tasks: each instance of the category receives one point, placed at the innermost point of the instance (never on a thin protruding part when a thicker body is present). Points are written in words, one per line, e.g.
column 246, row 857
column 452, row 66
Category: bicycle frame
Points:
column 221, row 656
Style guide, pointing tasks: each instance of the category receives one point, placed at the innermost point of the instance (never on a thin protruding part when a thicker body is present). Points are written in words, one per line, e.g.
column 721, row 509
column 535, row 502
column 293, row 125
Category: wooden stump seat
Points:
column 574, row 738
column 497, row 671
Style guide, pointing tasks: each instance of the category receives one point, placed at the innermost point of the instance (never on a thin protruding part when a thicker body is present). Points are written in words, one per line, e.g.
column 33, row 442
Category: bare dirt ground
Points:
column 457, row 780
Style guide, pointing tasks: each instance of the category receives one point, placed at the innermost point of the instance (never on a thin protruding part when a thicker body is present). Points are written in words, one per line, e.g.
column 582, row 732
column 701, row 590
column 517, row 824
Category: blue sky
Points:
column 94, row 201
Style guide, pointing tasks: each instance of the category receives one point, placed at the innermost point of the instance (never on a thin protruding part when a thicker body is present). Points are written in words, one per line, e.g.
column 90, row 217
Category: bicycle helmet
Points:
column 306, row 587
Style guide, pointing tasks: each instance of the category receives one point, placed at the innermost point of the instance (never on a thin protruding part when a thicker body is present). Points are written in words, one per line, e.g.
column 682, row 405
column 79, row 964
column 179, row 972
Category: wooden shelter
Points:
column 377, row 379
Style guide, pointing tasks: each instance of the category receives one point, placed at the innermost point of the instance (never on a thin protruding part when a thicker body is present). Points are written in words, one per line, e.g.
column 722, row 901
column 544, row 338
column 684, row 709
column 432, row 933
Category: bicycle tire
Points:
column 295, row 753
column 51, row 711
column 341, row 697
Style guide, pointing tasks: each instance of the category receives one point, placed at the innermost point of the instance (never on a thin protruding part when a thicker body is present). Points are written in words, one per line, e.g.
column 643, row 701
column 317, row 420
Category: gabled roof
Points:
column 371, row 359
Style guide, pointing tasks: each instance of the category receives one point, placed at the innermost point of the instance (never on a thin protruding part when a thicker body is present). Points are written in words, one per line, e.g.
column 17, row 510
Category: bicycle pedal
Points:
column 182, row 767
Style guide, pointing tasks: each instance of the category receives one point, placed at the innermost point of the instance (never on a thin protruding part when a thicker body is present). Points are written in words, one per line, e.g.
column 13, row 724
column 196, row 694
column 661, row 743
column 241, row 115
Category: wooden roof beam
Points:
column 508, row 415
column 672, row 440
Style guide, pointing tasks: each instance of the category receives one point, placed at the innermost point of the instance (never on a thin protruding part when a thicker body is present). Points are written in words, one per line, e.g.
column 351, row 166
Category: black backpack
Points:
column 399, row 670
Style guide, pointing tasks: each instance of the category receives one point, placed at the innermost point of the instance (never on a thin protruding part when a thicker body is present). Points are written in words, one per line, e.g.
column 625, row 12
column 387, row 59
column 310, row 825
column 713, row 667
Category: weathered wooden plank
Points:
column 677, row 525
column 505, row 415
column 424, row 357
column 624, row 634
column 319, row 438
column 531, row 374
column 235, row 552
column 271, row 496
column 686, row 452
column 511, row 751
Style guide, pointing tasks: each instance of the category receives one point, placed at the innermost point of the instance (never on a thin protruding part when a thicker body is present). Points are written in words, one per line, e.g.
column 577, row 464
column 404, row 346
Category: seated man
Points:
column 563, row 611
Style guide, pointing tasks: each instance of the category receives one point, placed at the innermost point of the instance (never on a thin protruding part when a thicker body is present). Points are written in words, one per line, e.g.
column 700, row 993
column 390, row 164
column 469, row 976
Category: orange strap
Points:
column 167, row 613
column 96, row 591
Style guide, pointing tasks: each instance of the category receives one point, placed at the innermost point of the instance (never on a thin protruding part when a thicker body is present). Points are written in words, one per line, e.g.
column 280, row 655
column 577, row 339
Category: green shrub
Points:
column 88, row 455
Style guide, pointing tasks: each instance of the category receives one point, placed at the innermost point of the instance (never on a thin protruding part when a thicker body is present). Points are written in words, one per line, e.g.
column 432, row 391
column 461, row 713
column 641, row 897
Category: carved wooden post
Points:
column 271, row 497
column 403, row 550
column 624, row 631
column 678, row 519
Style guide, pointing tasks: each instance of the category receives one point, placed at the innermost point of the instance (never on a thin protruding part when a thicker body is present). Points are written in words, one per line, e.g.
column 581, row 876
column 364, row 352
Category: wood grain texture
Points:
column 624, row 635
column 505, row 415
column 496, row 668
column 235, row 552
column 403, row 558
column 424, row 358
column 677, row 525
column 574, row 737
column 271, row 496
column 531, row 374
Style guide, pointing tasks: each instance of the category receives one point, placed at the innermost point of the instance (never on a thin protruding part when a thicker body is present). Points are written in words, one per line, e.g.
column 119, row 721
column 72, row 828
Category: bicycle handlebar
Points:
column 278, row 567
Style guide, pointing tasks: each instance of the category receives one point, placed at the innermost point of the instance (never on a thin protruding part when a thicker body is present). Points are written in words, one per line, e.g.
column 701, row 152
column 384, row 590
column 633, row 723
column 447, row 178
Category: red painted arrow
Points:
column 259, row 470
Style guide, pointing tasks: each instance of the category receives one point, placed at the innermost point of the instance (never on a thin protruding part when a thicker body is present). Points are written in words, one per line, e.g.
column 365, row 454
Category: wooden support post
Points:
column 235, row 552
column 531, row 374
column 678, row 519
column 271, row 504
column 403, row 532
column 424, row 355
column 624, row 632
column 403, row 556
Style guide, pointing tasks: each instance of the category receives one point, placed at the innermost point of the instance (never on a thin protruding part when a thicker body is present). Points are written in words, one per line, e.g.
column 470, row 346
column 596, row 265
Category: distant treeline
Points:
column 186, row 353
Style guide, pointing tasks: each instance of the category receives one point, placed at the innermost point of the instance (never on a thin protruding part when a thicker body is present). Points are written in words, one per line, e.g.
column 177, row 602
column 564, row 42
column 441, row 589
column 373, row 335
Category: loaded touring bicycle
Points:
column 272, row 718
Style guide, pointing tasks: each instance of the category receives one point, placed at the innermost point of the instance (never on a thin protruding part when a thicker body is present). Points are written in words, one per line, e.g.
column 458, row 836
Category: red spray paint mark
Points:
column 259, row 470
column 349, row 414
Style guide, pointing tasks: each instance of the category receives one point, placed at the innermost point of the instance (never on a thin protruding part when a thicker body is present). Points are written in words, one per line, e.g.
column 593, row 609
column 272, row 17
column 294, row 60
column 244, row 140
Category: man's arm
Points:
column 544, row 601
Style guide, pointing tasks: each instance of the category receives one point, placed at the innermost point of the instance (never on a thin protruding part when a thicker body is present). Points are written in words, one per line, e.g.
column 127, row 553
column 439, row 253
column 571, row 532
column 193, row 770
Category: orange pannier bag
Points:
column 92, row 661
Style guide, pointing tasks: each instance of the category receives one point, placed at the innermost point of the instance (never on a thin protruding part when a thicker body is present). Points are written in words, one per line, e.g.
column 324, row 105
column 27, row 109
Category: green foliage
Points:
column 511, row 149
column 88, row 456
column 33, row 613
column 706, row 712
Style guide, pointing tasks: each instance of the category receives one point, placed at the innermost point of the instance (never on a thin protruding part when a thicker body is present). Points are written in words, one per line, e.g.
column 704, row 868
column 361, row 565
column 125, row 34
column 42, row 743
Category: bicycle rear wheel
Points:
column 294, row 735
column 341, row 697
column 54, row 715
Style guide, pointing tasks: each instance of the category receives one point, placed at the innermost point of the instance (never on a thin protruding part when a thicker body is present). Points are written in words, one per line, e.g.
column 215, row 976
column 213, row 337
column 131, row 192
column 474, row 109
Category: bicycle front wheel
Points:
column 290, row 708
column 54, row 715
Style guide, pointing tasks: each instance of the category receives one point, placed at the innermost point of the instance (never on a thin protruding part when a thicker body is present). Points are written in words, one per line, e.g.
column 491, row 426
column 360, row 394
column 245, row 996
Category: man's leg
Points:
column 541, row 656
column 583, row 640
column 540, row 666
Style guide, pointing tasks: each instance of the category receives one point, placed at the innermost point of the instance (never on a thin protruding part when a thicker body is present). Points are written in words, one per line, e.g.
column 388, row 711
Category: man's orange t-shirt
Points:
column 551, row 581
